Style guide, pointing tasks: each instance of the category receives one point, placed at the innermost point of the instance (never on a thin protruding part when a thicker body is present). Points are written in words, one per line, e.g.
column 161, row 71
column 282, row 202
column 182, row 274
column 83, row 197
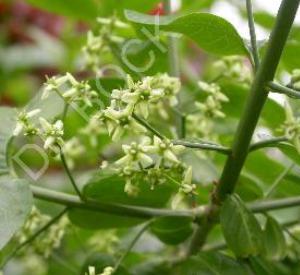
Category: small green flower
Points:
column 135, row 153
column 234, row 67
column 72, row 149
column 54, row 84
column 118, row 122
column 24, row 124
column 94, row 128
column 166, row 150
column 52, row 133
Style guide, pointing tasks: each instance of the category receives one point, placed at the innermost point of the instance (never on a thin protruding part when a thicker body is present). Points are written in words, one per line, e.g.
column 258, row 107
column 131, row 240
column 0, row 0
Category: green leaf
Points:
column 108, row 187
column 212, row 33
column 274, row 241
column 240, row 228
column 248, row 189
column 172, row 230
column 8, row 120
column 290, row 55
column 264, row 19
column 211, row 263
column 15, row 205
column 192, row 5
column 272, row 168
column 77, row 9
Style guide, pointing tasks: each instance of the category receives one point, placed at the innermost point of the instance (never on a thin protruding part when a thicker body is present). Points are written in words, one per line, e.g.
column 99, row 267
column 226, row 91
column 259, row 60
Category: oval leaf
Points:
column 172, row 230
column 240, row 228
column 274, row 241
column 108, row 187
column 15, row 205
column 212, row 33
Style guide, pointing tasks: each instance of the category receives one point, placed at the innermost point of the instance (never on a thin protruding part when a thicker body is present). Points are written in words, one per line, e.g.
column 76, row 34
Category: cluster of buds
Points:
column 72, row 149
column 118, row 121
column 105, row 241
column 295, row 79
column 201, row 122
column 147, row 158
column 32, row 224
column 212, row 106
column 53, row 237
column 187, row 186
column 94, row 128
column 70, row 89
column 291, row 127
column 109, row 270
column 234, row 67
column 98, row 43
column 48, row 240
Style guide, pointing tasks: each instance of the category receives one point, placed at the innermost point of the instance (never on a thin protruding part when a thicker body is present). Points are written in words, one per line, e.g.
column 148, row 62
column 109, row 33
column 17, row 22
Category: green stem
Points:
column 132, row 243
column 252, row 34
column 148, row 126
column 70, row 176
column 183, row 126
column 256, row 99
column 249, row 117
column 267, row 205
column 272, row 142
column 204, row 146
column 111, row 208
column 277, row 88
column 34, row 236
column 147, row 212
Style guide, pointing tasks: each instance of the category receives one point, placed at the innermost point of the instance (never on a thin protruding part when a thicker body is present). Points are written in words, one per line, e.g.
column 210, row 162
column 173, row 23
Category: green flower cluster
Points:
column 137, row 98
column 151, row 160
column 49, row 239
column 99, row 42
column 200, row 123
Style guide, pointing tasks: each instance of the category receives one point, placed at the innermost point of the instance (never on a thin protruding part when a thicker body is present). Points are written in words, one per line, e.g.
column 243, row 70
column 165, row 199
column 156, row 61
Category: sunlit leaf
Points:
column 212, row 33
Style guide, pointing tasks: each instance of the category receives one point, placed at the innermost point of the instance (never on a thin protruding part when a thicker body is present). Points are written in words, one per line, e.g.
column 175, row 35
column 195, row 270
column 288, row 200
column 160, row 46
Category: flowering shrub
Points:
column 154, row 166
